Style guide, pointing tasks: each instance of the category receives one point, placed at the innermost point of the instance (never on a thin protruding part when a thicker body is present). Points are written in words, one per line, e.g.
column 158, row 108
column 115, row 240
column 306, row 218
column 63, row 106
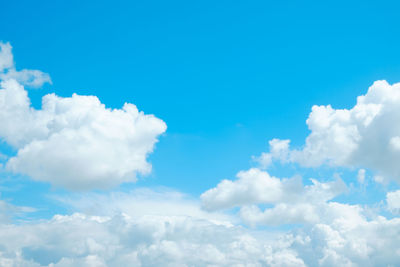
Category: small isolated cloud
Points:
column 361, row 176
column 31, row 78
column 75, row 142
column 364, row 136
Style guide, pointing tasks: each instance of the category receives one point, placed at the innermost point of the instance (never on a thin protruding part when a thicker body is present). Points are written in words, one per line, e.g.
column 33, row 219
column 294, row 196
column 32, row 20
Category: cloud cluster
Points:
column 183, row 236
column 173, row 232
column 78, row 143
column 365, row 136
column 291, row 201
column 74, row 142
column 332, row 233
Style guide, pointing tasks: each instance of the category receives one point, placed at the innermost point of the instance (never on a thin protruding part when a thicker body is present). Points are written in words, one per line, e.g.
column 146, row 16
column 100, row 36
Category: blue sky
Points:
column 225, row 76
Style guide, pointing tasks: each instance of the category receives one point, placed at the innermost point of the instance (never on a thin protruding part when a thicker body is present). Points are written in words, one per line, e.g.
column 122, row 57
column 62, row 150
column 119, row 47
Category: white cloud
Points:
column 363, row 136
column 75, row 142
column 393, row 201
column 255, row 186
column 125, row 234
column 252, row 186
column 6, row 57
column 333, row 234
column 279, row 149
column 141, row 202
column 150, row 241
column 361, row 176
column 367, row 243
column 117, row 238
column 31, row 78
column 9, row 212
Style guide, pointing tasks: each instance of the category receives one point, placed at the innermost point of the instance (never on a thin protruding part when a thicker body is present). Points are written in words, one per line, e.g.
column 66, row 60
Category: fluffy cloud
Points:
column 127, row 235
column 84, row 240
column 367, row 243
column 363, row 136
column 173, row 232
column 253, row 186
column 292, row 202
column 75, row 142
column 332, row 233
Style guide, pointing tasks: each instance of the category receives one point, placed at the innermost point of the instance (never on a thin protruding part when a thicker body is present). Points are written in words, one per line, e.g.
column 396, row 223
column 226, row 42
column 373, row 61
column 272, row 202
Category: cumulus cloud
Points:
column 168, row 234
column 291, row 201
column 252, row 186
column 82, row 240
column 278, row 149
column 363, row 136
column 75, row 142
column 332, row 233
column 31, row 78
column 126, row 237
column 367, row 243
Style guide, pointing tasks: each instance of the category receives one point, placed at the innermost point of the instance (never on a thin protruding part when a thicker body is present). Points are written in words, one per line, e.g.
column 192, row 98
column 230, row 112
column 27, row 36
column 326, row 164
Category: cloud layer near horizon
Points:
column 174, row 232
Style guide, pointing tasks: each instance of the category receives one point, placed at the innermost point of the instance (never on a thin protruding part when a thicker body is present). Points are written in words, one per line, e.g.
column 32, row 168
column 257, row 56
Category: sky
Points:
column 212, row 133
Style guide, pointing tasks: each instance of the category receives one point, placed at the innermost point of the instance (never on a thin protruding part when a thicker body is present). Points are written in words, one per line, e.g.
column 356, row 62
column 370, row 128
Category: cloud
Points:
column 332, row 233
column 278, row 149
column 361, row 176
column 252, row 186
column 290, row 201
column 126, row 235
column 6, row 57
column 31, row 78
column 363, row 136
column 258, row 187
column 173, row 234
column 393, row 201
column 75, row 142
column 150, row 241
column 140, row 202
column 8, row 212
